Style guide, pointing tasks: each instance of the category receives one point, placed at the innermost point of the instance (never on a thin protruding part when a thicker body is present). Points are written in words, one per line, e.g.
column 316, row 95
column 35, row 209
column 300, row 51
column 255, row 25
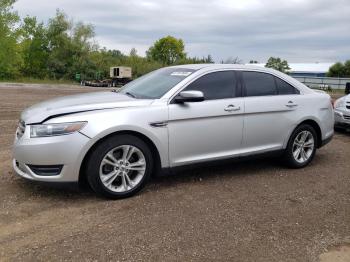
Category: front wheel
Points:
column 301, row 147
column 119, row 167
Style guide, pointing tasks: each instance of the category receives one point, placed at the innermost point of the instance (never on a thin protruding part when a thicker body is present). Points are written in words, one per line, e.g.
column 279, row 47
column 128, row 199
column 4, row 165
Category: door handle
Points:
column 291, row 104
column 231, row 108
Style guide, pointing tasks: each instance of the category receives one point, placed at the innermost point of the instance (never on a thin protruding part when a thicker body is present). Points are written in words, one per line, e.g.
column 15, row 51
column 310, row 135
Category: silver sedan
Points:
column 172, row 117
column 342, row 112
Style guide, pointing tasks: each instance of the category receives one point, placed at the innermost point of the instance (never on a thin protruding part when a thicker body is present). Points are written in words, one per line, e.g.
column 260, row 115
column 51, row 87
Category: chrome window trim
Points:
column 199, row 76
column 258, row 71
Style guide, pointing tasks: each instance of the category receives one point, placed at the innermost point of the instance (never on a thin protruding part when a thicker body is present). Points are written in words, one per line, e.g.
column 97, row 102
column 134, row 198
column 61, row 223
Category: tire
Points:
column 295, row 160
column 111, row 178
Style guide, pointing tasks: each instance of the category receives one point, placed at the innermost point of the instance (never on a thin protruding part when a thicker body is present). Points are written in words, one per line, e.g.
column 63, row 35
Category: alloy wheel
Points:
column 303, row 146
column 122, row 168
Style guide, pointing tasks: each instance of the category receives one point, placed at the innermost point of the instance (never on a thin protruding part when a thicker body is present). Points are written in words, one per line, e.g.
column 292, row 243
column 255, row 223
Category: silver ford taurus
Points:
column 172, row 117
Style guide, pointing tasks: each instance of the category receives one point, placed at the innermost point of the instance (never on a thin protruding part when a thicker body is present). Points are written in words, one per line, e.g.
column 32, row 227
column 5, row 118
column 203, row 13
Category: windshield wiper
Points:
column 130, row 94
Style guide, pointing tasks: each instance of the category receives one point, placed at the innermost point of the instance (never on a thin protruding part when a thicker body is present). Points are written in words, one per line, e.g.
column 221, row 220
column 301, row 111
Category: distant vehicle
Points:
column 119, row 76
column 171, row 117
column 342, row 112
column 347, row 88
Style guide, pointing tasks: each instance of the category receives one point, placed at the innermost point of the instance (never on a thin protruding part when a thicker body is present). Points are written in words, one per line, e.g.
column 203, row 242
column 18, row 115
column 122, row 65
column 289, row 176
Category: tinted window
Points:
column 217, row 85
column 259, row 84
column 284, row 88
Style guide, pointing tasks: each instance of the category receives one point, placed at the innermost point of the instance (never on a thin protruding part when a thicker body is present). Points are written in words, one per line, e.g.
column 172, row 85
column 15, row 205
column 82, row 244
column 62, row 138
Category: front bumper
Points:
column 342, row 118
column 64, row 151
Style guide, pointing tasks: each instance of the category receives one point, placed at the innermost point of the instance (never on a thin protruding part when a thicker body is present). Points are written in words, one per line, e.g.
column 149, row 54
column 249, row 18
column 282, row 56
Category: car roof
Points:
column 220, row 66
column 210, row 67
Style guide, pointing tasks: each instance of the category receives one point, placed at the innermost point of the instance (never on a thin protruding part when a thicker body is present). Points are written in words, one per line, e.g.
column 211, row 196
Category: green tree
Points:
column 278, row 64
column 70, row 46
column 133, row 52
column 336, row 70
column 233, row 60
column 61, row 48
column 60, row 58
column 34, row 46
column 208, row 59
column 347, row 68
column 167, row 50
column 339, row 69
column 81, row 44
column 140, row 65
column 103, row 59
column 10, row 58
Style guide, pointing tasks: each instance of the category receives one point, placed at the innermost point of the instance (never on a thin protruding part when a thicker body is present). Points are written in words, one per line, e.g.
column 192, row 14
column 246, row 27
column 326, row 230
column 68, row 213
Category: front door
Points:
column 211, row 129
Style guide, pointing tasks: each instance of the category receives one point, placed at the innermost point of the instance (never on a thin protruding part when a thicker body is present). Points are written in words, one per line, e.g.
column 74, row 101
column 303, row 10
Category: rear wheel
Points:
column 301, row 147
column 120, row 166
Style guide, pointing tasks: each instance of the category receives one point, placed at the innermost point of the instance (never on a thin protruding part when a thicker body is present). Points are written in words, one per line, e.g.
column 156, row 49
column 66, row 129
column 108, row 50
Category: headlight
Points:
column 339, row 103
column 55, row 129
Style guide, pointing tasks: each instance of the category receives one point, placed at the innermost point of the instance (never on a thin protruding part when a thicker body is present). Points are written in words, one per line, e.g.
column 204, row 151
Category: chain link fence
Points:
column 324, row 83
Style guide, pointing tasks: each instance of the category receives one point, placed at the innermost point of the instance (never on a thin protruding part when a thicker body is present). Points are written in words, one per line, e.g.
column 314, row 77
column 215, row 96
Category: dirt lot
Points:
column 251, row 211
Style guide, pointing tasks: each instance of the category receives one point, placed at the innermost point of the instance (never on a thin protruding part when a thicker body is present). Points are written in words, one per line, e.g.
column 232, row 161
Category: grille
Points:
column 346, row 117
column 21, row 128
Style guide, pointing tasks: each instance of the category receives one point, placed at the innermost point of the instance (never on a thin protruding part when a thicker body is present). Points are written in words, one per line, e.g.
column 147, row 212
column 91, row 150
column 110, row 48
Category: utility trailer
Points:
column 118, row 76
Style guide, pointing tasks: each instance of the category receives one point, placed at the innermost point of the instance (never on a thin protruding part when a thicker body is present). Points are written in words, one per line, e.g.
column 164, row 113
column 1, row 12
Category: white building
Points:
column 307, row 69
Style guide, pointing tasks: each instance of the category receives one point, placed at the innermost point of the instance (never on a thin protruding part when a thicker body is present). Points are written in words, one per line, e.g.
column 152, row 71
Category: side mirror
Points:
column 189, row 96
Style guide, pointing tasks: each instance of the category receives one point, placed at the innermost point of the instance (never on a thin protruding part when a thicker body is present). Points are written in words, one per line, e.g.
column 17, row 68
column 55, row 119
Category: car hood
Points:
column 347, row 98
column 79, row 103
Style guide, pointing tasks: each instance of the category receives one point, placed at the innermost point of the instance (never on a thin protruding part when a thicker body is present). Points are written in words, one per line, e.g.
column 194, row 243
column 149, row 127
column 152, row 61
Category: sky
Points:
column 295, row 30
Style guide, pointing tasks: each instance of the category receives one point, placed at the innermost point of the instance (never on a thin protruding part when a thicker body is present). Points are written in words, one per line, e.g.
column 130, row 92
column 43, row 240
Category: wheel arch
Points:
column 315, row 126
column 155, row 152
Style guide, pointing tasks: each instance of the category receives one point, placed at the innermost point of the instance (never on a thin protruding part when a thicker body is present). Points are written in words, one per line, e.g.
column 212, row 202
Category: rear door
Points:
column 271, row 111
column 211, row 129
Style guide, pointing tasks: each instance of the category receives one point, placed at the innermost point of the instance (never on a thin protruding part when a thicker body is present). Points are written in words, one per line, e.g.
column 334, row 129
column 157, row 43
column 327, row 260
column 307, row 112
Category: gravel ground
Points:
column 251, row 211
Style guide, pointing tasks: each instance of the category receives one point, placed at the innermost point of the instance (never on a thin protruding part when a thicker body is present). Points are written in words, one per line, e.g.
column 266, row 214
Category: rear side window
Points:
column 259, row 84
column 284, row 88
column 216, row 85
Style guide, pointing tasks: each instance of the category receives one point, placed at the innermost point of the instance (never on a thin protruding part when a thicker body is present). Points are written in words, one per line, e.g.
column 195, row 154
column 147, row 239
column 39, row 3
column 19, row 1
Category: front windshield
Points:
column 155, row 84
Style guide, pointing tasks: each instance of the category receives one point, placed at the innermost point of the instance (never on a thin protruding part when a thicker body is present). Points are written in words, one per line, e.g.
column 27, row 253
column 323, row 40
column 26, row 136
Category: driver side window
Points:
column 216, row 85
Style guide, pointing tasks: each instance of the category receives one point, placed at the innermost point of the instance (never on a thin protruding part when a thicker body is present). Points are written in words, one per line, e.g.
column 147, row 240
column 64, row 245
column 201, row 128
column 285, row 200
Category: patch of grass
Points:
column 29, row 80
column 333, row 91
column 336, row 92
